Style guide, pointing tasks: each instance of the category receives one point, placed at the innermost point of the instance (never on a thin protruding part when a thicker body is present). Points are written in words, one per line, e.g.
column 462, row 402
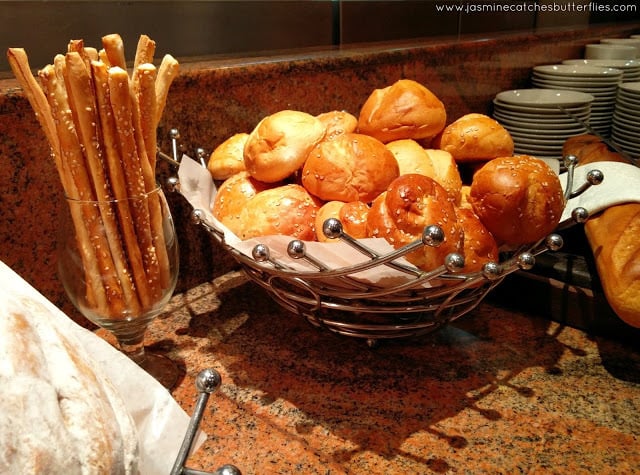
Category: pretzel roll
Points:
column 411, row 203
column 404, row 110
column 479, row 245
column 227, row 159
column 352, row 215
column 232, row 197
column 475, row 137
column 280, row 144
column 338, row 122
column 351, row 167
column 519, row 199
column 437, row 164
column 288, row 210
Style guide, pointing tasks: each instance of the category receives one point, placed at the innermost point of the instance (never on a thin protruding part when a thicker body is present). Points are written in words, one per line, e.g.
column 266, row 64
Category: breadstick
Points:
column 76, row 183
column 167, row 72
column 143, row 97
column 117, row 176
column 19, row 63
column 114, row 49
column 80, row 90
column 143, row 81
column 121, row 104
column 144, row 52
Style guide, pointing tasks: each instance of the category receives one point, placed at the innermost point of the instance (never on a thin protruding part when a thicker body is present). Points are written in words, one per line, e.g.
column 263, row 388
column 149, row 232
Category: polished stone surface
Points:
column 495, row 392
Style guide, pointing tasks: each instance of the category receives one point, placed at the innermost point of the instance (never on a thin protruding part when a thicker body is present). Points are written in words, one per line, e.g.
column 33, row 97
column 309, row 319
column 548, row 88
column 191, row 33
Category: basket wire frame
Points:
column 335, row 299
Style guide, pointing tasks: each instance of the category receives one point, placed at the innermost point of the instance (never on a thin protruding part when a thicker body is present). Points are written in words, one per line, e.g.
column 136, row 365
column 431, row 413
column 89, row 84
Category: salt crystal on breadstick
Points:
column 167, row 72
column 123, row 111
column 114, row 49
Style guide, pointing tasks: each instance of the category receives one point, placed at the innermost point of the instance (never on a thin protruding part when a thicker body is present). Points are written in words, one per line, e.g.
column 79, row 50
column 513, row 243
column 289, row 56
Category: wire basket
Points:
column 338, row 300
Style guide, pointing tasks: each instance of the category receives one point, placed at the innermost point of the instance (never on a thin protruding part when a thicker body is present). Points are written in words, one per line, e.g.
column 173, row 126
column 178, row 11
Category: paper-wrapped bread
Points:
column 58, row 414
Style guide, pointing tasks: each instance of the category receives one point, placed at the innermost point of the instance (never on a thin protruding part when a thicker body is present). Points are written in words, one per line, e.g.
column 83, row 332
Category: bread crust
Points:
column 404, row 110
column 613, row 237
column 351, row 167
column 52, row 385
column 227, row 159
column 279, row 145
column 519, row 199
column 411, row 203
column 475, row 137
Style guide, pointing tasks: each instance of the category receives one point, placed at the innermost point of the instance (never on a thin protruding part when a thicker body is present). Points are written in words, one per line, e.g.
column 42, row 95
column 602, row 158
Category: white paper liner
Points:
column 198, row 188
column 160, row 421
column 621, row 184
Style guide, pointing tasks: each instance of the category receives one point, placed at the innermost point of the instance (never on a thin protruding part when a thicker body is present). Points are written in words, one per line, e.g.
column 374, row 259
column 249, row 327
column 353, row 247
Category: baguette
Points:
column 613, row 237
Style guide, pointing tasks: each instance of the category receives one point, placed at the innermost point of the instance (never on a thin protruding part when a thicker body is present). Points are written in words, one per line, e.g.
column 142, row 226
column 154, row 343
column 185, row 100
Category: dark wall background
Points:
column 244, row 28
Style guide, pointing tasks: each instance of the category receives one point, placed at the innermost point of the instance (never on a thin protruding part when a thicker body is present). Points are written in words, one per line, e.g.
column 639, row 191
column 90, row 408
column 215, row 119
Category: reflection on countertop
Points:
column 496, row 392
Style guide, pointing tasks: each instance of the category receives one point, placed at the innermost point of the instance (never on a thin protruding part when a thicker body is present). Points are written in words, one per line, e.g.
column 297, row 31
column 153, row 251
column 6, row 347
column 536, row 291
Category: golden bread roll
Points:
column 352, row 215
column 227, row 159
column 288, row 210
column 436, row 164
column 404, row 110
column 479, row 245
column 465, row 190
column 58, row 412
column 351, row 167
column 232, row 197
column 411, row 203
column 519, row 199
column 278, row 146
column 337, row 123
column 475, row 137
column 613, row 237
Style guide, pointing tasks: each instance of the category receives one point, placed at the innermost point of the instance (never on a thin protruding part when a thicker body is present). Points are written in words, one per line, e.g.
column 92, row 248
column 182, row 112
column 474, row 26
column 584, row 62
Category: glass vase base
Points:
column 162, row 368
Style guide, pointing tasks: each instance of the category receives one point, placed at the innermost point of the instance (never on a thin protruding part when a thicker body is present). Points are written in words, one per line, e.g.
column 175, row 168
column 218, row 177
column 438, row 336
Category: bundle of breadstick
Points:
column 100, row 120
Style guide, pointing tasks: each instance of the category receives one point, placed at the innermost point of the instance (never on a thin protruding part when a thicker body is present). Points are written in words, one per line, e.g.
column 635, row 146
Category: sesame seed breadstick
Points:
column 114, row 49
column 111, row 152
column 167, row 72
column 122, row 106
column 144, row 51
column 143, row 97
column 76, row 184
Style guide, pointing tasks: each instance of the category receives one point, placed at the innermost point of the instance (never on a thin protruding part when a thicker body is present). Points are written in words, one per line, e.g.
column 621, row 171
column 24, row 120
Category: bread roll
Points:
column 58, row 414
column 337, row 123
column 479, row 245
column 288, row 210
column 519, row 199
column 280, row 144
column 227, row 159
column 232, row 197
column 436, row 164
column 411, row 203
column 404, row 110
column 475, row 137
column 352, row 215
column 351, row 167
column 613, row 237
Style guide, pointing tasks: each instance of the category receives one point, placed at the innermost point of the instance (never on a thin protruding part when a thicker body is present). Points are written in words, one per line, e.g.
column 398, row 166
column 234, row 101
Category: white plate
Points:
column 561, row 127
column 544, row 97
column 580, row 81
column 575, row 70
column 550, row 110
column 632, row 87
column 605, row 63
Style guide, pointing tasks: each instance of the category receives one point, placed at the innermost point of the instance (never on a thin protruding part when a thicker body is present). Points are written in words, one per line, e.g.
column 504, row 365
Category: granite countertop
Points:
column 495, row 392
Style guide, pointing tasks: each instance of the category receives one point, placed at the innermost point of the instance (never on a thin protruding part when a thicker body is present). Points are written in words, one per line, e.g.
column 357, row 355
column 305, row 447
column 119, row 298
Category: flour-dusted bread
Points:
column 58, row 415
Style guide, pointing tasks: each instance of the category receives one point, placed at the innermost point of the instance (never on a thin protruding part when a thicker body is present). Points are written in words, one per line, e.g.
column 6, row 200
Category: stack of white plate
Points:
column 630, row 67
column 625, row 131
column 537, row 122
column 601, row 83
